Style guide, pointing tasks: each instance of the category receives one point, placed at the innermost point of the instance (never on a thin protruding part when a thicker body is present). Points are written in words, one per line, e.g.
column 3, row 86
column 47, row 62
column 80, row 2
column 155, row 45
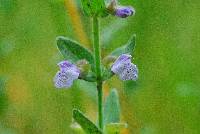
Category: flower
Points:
column 124, row 68
column 67, row 74
column 124, row 12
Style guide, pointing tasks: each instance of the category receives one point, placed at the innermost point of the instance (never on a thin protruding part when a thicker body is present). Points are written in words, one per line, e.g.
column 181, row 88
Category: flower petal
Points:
column 120, row 63
column 66, row 65
column 124, row 68
column 65, row 78
column 129, row 73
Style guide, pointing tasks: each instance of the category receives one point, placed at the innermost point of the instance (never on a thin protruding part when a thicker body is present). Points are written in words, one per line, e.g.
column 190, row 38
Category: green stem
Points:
column 100, row 106
column 97, row 52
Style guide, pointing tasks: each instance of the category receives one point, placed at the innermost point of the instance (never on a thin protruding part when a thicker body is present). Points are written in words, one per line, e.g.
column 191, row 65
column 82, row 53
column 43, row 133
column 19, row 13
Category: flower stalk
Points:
column 81, row 63
column 97, row 53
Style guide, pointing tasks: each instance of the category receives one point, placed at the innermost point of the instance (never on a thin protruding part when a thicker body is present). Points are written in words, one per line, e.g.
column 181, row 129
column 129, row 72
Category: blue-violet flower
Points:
column 67, row 74
column 124, row 68
column 124, row 12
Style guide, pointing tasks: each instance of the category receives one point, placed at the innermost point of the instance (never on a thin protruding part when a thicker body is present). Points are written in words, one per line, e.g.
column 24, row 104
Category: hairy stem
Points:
column 97, row 52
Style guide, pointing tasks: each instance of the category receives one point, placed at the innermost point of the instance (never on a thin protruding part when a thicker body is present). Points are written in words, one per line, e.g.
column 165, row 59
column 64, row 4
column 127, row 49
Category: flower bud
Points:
column 124, row 12
column 108, row 60
column 120, row 11
column 111, row 6
column 84, row 66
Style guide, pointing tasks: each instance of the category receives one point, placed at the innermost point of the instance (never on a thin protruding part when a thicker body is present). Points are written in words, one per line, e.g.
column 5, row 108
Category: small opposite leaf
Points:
column 115, row 128
column 88, row 126
column 73, row 51
column 94, row 7
column 112, row 108
column 126, row 49
column 100, row 7
column 87, row 7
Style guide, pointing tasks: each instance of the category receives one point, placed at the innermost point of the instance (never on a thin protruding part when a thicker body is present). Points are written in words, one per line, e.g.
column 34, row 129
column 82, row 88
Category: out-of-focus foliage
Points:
column 112, row 108
column 3, row 96
column 115, row 128
column 164, row 100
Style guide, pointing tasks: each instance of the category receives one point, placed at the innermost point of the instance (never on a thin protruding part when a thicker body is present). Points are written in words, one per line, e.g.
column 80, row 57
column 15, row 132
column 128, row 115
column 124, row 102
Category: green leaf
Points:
column 88, row 126
column 115, row 128
column 73, row 51
column 112, row 108
column 126, row 49
column 94, row 7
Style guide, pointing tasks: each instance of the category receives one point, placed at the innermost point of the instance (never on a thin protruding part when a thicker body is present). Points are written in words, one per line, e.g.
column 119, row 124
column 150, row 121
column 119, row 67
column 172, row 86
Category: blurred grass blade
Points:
column 112, row 108
column 126, row 49
column 73, row 51
column 88, row 126
column 115, row 128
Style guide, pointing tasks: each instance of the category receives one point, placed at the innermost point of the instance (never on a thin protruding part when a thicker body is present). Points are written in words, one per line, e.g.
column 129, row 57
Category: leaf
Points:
column 115, row 128
column 73, row 51
column 94, row 7
column 88, row 126
column 126, row 49
column 112, row 108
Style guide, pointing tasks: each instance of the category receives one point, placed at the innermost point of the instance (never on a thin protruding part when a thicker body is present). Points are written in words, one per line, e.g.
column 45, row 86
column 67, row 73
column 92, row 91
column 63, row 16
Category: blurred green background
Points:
column 164, row 100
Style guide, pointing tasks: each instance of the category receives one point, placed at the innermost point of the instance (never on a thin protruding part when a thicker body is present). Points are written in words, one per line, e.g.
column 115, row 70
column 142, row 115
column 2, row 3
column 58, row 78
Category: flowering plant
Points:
column 83, row 64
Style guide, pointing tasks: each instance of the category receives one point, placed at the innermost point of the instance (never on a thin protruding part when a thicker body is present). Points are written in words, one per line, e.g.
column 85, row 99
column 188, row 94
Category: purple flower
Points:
column 67, row 74
column 124, row 12
column 124, row 68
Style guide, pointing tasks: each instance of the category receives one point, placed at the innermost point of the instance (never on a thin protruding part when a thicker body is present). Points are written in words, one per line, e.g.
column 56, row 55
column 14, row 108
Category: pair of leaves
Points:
column 94, row 8
column 73, row 51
